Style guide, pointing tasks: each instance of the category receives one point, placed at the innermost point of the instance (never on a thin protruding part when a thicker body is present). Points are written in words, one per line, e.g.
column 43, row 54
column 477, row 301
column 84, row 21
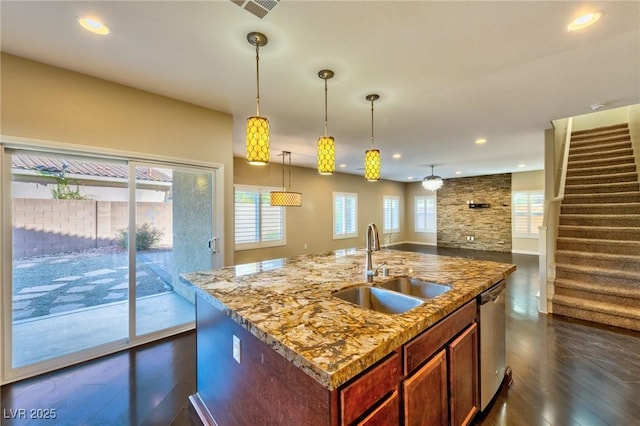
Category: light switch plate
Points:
column 236, row 348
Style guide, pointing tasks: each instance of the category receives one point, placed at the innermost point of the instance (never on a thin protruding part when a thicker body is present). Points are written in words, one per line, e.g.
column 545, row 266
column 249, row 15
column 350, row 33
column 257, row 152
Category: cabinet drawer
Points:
column 425, row 345
column 361, row 394
column 386, row 414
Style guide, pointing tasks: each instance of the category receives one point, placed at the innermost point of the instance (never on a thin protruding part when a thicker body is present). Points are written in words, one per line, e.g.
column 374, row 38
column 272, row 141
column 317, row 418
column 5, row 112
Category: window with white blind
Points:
column 425, row 213
column 257, row 223
column 391, row 213
column 528, row 209
column 345, row 215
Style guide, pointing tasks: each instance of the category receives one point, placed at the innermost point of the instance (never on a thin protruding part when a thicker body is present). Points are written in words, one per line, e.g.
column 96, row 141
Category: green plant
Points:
column 62, row 190
column 147, row 236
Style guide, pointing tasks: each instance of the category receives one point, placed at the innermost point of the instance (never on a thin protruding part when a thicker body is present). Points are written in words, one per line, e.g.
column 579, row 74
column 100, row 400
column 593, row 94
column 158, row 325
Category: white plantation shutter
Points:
column 528, row 209
column 345, row 215
column 425, row 213
column 391, row 213
column 257, row 223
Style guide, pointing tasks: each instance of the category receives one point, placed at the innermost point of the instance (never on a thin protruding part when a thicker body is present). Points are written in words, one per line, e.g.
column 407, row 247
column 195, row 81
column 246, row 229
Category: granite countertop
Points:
column 287, row 304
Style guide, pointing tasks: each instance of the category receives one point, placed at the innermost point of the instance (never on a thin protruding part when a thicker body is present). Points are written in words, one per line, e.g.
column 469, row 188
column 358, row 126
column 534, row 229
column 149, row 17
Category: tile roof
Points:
column 47, row 165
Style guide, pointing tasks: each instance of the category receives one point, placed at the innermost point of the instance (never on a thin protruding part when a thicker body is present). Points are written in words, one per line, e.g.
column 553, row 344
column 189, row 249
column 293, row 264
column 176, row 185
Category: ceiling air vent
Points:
column 260, row 8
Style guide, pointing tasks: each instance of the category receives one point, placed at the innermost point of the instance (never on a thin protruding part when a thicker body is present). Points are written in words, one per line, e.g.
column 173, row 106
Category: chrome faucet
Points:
column 372, row 244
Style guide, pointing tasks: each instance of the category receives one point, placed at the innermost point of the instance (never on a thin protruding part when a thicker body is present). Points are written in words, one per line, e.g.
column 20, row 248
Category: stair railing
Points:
column 549, row 229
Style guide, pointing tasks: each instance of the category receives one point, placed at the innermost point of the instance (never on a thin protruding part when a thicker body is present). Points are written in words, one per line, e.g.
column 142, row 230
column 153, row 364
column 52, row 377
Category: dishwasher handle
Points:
column 492, row 294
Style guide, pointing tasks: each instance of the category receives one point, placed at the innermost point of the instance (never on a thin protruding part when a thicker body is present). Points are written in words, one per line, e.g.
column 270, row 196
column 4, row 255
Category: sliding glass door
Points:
column 97, row 246
column 174, row 234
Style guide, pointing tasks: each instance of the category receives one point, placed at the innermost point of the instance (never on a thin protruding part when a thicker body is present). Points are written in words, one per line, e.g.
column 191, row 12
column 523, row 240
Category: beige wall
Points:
column 311, row 224
column 412, row 191
column 526, row 181
column 52, row 104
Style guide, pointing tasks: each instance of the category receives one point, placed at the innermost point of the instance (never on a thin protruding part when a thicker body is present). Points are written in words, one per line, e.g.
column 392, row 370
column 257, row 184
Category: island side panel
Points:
column 263, row 389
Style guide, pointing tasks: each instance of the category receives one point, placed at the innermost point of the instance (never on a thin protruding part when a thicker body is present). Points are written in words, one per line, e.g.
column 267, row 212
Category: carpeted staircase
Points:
column 598, row 245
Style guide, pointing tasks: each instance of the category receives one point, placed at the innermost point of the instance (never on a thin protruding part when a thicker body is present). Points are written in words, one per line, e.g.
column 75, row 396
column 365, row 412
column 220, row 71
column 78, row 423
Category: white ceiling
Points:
column 447, row 72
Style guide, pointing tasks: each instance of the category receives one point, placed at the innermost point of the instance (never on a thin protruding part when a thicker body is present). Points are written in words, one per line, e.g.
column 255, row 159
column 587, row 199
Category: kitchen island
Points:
column 276, row 347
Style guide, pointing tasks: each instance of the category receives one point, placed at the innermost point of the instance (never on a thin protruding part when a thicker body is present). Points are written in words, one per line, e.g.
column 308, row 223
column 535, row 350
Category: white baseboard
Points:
column 535, row 253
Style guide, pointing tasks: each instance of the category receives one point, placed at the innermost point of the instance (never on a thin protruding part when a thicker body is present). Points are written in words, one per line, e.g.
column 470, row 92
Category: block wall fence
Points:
column 45, row 227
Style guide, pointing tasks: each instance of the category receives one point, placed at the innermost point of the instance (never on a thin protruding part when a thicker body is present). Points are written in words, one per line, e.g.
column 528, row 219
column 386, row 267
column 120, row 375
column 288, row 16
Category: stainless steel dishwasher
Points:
column 491, row 313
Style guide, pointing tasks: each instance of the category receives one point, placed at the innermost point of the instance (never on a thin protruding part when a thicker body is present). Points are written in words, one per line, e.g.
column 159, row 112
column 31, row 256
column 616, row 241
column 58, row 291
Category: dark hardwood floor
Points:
column 565, row 372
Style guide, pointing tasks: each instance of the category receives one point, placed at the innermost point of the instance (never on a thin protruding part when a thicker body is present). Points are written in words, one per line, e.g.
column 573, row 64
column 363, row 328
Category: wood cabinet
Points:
column 444, row 391
column 363, row 393
column 463, row 376
column 385, row 414
column 425, row 394
column 431, row 380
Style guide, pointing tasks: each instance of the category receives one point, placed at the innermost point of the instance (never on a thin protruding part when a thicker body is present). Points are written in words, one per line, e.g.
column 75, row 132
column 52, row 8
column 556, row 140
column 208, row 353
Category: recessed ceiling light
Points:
column 480, row 141
column 396, row 155
column 342, row 166
column 595, row 107
column 585, row 20
column 521, row 165
column 93, row 25
column 458, row 172
column 410, row 178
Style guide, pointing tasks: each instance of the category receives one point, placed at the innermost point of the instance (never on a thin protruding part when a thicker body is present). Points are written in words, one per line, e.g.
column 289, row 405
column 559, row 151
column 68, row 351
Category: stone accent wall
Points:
column 42, row 226
column 490, row 227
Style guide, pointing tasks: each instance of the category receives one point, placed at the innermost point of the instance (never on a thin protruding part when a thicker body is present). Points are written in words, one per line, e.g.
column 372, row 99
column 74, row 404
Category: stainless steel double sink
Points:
column 394, row 296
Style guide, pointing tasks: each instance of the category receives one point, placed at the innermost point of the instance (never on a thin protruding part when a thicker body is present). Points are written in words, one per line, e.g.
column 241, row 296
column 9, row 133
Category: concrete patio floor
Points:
column 45, row 337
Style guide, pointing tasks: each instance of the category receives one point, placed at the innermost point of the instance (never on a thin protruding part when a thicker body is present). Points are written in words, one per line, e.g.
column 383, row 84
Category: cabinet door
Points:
column 425, row 394
column 386, row 414
column 463, row 376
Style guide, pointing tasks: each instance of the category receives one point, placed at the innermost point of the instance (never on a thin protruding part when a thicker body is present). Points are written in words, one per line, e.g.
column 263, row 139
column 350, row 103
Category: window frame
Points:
column 262, row 191
column 426, row 229
column 531, row 233
column 394, row 219
column 345, row 196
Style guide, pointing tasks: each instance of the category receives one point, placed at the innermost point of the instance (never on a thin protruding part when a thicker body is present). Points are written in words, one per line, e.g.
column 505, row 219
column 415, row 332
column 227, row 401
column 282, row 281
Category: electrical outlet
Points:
column 236, row 348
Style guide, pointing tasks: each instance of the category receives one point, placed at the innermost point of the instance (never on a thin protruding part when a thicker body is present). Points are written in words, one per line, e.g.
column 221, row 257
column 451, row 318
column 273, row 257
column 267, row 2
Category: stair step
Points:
column 602, row 140
column 601, row 293
column 600, row 232
column 600, row 188
column 621, row 142
column 599, row 162
column 599, row 170
column 587, row 133
column 615, row 220
column 599, row 260
column 602, row 276
column 600, row 154
column 599, row 312
column 601, row 208
column 601, row 179
column 599, row 246
column 607, row 198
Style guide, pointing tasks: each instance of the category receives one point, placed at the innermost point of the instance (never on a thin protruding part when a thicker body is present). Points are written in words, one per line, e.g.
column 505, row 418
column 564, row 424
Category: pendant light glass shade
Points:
column 257, row 126
column 372, row 160
column 326, row 144
column 286, row 198
column 372, row 165
column 326, row 155
column 257, row 141
column 432, row 183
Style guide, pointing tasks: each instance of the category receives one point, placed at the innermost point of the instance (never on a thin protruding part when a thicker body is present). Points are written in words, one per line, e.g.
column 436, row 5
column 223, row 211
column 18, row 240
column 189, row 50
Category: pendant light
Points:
column 372, row 156
column 326, row 144
column 257, row 126
column 286, row 198
column 432, row 183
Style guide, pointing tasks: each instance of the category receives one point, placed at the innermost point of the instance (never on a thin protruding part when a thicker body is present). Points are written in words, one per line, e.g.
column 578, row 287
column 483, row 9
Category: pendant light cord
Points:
column 325, row 107
column 371, row 123
column 257, row 80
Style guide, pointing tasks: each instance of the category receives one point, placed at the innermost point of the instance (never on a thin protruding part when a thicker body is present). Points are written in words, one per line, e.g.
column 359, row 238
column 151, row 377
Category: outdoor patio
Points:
column 70, row 302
